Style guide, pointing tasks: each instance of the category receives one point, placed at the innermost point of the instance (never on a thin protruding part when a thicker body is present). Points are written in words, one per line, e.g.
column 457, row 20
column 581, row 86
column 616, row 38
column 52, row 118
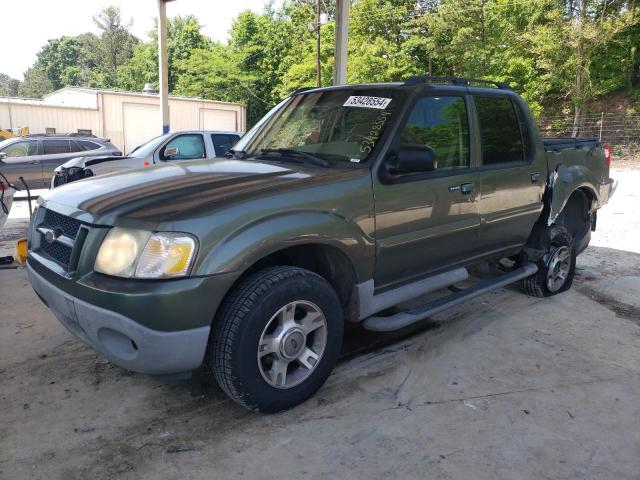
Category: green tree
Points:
column 36, row 83
column 183, row 37
column 114, row 47
column 8, row 86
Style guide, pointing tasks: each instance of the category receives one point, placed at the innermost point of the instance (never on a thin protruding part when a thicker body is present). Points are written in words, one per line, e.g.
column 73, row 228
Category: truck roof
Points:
column 453, row 83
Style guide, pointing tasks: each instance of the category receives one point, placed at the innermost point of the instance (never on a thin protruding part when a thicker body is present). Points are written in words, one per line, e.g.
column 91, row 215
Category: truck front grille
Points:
column 57, row 237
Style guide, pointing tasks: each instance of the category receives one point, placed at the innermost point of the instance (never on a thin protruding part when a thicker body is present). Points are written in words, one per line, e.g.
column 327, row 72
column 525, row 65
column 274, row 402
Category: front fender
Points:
column 244, row 247
column 565, row 180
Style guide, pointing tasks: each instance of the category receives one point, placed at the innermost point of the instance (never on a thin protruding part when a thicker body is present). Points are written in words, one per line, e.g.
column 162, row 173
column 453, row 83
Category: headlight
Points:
column 119, row 251
column 166, row 255
column 140, row 254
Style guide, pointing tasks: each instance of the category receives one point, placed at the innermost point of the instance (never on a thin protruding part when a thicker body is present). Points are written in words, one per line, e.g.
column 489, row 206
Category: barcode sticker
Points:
column 367, row 102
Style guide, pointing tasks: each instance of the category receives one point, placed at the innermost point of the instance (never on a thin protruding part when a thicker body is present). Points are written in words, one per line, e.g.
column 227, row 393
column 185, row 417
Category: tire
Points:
column 260, row 328
column 560, row 244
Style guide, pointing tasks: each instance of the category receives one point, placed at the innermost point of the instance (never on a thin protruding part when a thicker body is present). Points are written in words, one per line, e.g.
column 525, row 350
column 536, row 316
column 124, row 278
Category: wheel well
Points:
column 327, row 261
column 575, row 215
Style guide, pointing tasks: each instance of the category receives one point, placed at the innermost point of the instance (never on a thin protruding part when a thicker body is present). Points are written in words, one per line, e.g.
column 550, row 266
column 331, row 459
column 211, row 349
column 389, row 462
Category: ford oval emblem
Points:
column 52, row 235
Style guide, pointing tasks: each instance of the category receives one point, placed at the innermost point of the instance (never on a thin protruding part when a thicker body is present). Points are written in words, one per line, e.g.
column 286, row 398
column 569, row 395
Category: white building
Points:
column 127, row 118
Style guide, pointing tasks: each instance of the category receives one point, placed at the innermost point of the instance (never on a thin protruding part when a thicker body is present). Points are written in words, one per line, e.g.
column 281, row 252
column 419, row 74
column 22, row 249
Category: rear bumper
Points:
column 607, row 189
column 123, row 341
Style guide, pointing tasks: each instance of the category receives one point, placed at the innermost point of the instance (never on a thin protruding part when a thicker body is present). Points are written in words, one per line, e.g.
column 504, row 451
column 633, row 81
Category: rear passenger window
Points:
column 56, row 146
column 223, row 142
column 499, row 131
column 440, row 123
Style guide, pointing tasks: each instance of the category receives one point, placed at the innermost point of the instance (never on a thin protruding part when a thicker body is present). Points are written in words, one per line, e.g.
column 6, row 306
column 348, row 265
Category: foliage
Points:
column 8, row 86
column 183, row 37
column 556, row 53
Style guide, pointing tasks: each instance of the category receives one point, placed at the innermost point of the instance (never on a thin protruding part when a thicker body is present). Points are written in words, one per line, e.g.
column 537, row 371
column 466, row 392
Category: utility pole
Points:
column 341, row 42
column 163, row 64
column 318, row 64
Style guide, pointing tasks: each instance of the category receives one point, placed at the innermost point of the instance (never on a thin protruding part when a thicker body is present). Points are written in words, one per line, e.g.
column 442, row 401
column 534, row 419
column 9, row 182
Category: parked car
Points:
column 340, row 204
column 35, row 157
column 183, row 145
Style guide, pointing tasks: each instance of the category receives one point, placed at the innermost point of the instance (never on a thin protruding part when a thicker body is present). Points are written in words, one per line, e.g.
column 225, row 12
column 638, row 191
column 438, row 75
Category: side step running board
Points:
column 403, row 319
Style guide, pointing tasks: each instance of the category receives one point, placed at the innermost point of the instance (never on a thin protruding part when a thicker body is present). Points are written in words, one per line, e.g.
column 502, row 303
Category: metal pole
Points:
column 163, row 64
column 341, row 43
column 318, row 65
column 601, row 123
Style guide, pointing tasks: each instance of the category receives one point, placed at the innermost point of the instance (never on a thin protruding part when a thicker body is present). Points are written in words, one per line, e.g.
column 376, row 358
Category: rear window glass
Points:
column 223, row 142
column 56, row 146
column 86, row 145
column 499, row 130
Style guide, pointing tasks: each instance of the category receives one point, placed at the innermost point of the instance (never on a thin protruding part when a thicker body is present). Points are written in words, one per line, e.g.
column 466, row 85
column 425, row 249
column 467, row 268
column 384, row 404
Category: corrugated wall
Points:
column 108, row 118
column 40, row 117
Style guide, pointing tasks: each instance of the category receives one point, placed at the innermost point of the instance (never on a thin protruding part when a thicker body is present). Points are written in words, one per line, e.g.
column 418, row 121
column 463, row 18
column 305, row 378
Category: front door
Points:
column 428, row 221
column 22, row 160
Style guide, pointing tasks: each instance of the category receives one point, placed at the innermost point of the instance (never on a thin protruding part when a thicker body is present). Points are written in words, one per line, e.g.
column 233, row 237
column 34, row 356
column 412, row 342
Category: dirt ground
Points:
column 503, row 387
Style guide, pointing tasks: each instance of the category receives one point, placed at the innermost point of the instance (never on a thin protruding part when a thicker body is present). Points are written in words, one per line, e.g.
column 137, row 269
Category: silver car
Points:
column 172, row 146
column 35, row 157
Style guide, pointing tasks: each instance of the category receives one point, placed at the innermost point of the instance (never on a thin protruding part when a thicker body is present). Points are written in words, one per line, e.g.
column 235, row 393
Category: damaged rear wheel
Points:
column 556, row 268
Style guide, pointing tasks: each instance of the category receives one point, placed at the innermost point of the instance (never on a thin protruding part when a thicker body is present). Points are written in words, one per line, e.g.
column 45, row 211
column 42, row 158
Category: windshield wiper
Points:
column 297, row 153
column 239, row 154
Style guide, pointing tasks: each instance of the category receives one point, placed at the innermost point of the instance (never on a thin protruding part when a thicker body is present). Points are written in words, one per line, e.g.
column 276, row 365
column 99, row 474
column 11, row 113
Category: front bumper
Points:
column 123, row 341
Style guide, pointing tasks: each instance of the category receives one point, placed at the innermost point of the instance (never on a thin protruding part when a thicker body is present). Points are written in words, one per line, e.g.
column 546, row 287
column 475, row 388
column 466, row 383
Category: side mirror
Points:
column 2, row 156
column 170, row 152
column 416, row 159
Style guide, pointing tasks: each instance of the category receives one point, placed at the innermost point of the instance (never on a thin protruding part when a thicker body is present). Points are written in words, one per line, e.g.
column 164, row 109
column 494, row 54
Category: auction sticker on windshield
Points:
column 367, row 102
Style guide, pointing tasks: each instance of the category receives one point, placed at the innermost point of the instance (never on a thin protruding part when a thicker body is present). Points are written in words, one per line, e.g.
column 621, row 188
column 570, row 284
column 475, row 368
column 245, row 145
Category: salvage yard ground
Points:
column 505, row 386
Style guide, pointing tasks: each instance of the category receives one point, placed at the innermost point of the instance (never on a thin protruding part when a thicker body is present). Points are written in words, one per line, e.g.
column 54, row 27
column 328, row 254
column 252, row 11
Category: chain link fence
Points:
column 619, row 130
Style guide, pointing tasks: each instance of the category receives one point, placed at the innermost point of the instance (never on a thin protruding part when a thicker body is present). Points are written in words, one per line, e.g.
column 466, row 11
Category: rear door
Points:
column 56, row 151
column 428, row 221
column 513, row 174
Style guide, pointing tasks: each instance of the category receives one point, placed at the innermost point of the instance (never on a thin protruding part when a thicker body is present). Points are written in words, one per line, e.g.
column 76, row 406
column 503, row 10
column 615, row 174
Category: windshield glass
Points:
column 147, row 149
column 342, row 125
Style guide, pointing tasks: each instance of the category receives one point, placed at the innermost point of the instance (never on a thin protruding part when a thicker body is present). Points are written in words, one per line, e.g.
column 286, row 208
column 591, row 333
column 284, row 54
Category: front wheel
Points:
column 556, row 268
column 277, row 338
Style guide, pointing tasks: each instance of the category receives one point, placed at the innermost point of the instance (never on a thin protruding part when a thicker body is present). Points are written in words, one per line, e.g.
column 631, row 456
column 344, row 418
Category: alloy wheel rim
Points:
column 559, row 266
column 292, row 344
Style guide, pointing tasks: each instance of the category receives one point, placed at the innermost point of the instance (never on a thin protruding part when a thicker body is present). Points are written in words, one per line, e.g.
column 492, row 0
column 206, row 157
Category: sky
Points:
column 27, row 25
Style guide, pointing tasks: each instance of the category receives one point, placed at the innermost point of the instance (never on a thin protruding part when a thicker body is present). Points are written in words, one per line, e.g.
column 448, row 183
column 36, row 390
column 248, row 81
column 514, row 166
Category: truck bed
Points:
column 564, row 143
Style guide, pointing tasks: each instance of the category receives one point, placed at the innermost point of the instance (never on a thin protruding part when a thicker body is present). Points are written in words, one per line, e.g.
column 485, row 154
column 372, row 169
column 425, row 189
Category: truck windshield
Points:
column 342, row 125
column 146, row 149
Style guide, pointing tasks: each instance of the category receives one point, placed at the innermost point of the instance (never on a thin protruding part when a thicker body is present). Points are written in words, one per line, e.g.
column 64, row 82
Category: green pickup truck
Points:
column 340, row 205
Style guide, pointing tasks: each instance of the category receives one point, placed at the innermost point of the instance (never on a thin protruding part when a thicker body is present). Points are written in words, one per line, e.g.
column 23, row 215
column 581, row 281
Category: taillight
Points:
column 607, row 154
column 146, row 164
column 4, row 186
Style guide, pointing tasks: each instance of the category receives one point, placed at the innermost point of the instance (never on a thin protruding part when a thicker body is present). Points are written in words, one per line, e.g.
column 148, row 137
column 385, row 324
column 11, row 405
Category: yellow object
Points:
column 20, row 255
column 5, row 134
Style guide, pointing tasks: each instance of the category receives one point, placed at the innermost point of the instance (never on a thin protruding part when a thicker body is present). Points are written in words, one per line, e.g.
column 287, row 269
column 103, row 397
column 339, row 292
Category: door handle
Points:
column 467, row 188
column 535, row 177
column 34, row 162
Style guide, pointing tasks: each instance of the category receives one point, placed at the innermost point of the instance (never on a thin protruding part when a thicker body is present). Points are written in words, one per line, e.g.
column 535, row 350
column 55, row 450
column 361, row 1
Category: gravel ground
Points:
column 505, row 386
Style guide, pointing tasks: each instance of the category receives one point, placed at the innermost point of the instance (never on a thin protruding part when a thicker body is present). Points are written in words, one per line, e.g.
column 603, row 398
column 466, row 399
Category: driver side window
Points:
column 189, row 146
column 24, row 148
column 441, row 124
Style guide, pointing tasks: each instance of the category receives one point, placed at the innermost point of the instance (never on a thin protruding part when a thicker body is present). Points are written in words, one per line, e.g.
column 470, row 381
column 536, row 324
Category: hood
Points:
column 160, row 192
column 88, row 161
